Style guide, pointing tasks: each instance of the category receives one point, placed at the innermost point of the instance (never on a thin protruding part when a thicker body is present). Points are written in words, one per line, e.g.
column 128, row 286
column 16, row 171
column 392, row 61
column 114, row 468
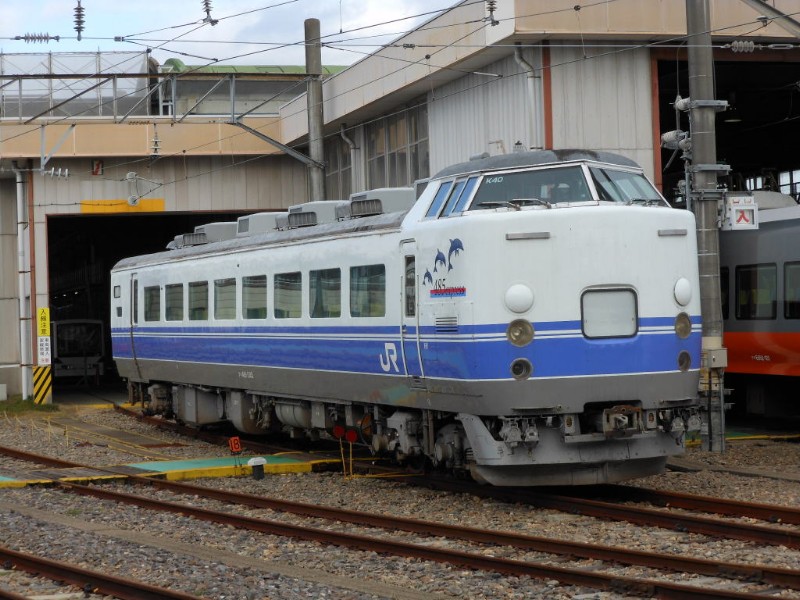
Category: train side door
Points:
column 410, row 331
column 134, row 317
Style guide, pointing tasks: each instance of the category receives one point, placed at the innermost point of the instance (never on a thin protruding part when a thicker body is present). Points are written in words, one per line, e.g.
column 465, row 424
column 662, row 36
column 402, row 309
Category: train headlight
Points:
column 521, row 369
column 520, row 332
column 683, row 325
column 683, row 291
column 519, row 298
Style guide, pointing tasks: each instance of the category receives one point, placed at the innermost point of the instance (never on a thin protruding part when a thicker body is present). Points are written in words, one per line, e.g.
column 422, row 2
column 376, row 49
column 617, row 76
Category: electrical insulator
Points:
column 207, row 8
column 37, row 37
column 742, row 46
column 491, row 5
column 79, row 21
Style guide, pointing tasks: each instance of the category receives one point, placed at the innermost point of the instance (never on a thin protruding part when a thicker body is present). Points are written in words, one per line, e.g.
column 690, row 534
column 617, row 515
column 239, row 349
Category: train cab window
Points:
column 438, row 200
column 117, row 291
column 724, row 282
column 756, row 292
column 460, row 196
column 198, row 301
column 410, row 285
column 288, row 295
column 225, row 298
column 173, row 302
column 368, row 291
column 791, row 290
column 551, row 185
column 152, row 303
column 325, row 293
column 254, row 297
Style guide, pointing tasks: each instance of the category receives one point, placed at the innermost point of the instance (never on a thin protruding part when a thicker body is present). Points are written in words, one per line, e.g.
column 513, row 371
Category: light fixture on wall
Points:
column 732, row 115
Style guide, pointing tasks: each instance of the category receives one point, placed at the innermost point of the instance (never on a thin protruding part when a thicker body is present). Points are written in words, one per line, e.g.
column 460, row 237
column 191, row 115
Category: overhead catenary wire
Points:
column 411, row 62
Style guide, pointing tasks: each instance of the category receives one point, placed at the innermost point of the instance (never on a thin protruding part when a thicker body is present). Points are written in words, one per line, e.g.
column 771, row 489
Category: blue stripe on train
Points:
column 364, row 350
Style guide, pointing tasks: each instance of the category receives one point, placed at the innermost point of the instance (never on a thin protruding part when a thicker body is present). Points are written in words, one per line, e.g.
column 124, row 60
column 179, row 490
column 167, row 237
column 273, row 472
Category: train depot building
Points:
column 109, row 155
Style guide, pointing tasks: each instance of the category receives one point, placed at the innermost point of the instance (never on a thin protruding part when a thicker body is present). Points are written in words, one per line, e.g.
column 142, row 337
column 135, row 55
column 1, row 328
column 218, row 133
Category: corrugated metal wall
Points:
column 476, row 113
column 9, row 305
column 603, row 102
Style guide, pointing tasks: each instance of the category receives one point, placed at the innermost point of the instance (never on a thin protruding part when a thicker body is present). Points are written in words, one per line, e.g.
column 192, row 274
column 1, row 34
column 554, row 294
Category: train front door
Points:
column 410, row 333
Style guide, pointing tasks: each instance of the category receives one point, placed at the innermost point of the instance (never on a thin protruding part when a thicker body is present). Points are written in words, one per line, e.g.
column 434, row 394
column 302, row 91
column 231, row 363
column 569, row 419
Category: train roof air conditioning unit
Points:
column 317, row 212
column 258, row 223
column 217, row 232
column 382, row 201
column 187, row 239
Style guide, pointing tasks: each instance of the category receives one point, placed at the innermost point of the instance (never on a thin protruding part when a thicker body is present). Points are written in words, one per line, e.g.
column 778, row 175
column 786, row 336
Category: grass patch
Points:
column 17, row 406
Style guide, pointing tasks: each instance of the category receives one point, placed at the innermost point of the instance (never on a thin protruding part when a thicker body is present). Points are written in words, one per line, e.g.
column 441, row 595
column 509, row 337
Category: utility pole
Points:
column 706, row 198
column 316, row 150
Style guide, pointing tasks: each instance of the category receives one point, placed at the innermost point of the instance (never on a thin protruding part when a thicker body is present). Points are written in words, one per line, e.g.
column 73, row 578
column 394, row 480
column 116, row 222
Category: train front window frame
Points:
column 791, row 290
column 438, row 200
column 619, row 185
column 550, row 185
column 757, row 292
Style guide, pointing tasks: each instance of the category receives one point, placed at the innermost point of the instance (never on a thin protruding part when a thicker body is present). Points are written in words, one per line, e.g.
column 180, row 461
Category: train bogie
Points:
column 531, row 319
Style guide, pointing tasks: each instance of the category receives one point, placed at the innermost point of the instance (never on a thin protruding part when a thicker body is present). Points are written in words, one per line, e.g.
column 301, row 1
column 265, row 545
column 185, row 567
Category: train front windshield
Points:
column 564, row 184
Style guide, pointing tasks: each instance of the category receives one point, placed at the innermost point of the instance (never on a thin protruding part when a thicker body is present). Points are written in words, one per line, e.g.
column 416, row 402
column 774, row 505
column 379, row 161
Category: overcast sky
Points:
column 172, row 27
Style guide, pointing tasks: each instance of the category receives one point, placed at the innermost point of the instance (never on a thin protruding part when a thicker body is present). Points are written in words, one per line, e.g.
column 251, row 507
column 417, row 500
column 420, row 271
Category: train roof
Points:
column 377, row 224
column 528, row 159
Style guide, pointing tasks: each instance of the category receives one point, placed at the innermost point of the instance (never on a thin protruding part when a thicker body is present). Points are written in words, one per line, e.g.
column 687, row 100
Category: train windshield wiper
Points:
column 516, row 203
column 644, row 201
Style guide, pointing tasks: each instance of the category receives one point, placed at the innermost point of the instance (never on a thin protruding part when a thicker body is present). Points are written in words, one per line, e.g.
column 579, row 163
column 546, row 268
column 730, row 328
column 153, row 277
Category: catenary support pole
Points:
column 706, row 198
column 314, row 98
column 22, row 274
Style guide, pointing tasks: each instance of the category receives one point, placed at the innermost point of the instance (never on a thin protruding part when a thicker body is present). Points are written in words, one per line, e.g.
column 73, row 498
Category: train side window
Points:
column 438, row 200
column 368, row 291
column 325, row 293
column 756, row 292
column 411, row 287
column 225, row 298
column 198, row 301
column 458, row 188
column 724, row 283
column 288, row 295
column 791, row 290
column 117, row 291
column 465, row 196
column 254, row 297
column 173, row 302
column 152, row 303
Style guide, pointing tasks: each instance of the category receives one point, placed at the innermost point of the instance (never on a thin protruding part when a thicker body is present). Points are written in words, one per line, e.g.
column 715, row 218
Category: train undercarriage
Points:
column 607, row 442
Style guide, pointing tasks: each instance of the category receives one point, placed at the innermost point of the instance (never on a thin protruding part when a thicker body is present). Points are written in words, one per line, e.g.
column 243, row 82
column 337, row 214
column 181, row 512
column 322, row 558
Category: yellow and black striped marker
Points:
column 42, row 385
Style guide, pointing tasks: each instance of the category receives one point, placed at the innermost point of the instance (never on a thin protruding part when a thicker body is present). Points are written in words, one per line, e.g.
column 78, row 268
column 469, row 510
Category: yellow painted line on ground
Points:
column 232, row 471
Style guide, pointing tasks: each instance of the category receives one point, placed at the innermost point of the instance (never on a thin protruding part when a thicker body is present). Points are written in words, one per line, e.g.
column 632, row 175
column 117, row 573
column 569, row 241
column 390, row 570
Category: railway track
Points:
column 574, row 576
column 90, row 581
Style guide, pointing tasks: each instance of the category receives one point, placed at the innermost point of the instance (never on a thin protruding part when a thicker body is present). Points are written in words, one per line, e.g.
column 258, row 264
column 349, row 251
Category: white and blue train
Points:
column 532, row 319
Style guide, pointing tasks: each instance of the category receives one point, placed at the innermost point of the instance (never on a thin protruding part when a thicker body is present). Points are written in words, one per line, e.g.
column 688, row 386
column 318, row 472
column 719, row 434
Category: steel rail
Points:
column 569, row 576
column 765, row 574
column 89, row 580
column 721, row 506
column 637, row 515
